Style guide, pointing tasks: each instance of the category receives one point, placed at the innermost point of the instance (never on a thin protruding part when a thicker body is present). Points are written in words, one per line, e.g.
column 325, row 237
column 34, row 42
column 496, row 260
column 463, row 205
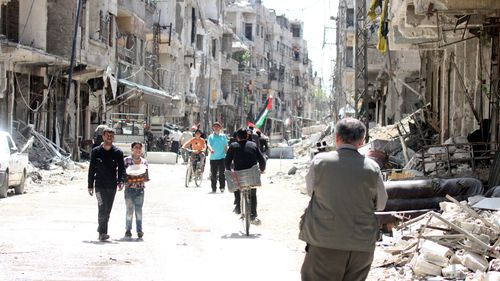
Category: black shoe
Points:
column 222, row 190
column 128, row 234
column 237, row 210
column 103, row 237
column 140, row 234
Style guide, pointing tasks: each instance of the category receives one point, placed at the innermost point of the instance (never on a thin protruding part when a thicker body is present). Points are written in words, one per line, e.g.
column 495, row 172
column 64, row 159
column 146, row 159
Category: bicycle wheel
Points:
column 189, row 172
column 246, row 209
column 198, row 177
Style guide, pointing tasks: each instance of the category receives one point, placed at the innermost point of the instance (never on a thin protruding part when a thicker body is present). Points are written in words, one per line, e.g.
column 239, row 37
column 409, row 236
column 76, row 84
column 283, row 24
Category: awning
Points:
column 145, row 89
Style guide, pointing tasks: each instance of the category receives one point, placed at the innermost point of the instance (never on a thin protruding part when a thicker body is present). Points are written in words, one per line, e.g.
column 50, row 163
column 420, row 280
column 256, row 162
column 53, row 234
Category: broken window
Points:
column 106, row 28
column 248, row 31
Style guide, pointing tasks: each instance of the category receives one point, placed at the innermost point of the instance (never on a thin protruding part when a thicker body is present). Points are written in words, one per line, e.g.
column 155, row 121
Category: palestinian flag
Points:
column 263, row 113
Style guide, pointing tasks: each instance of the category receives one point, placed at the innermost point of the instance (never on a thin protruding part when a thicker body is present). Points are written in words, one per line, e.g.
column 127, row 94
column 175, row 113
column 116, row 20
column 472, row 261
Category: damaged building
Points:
column 186, row 63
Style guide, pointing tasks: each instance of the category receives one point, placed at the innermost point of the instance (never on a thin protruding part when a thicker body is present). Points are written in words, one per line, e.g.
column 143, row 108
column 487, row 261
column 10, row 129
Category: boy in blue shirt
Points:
column 217, row 145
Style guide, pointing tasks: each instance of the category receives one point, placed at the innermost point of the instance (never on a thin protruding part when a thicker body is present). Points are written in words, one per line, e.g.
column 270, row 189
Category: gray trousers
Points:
column 322, row 264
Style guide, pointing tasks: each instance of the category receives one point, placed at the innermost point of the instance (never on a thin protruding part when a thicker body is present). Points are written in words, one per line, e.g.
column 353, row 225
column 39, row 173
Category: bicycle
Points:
column 245, row 207
column 244, row 181
column 194, row 170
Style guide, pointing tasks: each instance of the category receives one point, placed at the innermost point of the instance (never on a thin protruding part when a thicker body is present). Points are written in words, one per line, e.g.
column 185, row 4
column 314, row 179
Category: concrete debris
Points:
column 458, row 243
column 43, row 152
column 292, row 170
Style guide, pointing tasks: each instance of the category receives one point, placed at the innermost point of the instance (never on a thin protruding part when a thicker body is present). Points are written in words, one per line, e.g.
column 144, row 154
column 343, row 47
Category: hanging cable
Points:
column 24, row 99
column 134, row 74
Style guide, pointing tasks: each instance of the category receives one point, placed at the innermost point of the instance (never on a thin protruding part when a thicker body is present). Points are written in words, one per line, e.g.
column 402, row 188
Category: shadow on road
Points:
column 126, row 239
column 240, row 235
column 95, row 242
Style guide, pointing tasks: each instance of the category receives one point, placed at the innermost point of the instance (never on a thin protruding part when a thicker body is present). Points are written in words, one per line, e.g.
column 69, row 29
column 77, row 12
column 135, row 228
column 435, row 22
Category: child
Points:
column 136, row 168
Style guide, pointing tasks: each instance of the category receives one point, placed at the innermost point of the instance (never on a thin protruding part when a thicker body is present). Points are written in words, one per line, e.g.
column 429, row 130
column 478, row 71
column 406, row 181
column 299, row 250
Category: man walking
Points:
column 97, row 139
column 244, row 154
column 339, row 225
column 106, row 172
column 217, row 145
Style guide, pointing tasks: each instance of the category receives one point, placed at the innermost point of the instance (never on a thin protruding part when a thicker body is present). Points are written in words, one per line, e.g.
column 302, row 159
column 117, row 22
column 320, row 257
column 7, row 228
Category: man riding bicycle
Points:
column 198, row 147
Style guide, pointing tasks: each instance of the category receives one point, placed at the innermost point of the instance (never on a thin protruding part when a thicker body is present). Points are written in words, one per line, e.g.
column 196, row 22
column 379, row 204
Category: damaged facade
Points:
column 441, row 55
column 187, row 62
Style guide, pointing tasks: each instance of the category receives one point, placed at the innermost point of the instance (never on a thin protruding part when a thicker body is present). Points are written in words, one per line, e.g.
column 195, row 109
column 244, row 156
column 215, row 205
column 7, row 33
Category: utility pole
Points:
column 70, row 75
column 360, row 62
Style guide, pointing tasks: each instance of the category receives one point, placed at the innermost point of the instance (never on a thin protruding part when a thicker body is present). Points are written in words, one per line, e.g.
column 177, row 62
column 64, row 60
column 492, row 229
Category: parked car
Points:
column 13, row 166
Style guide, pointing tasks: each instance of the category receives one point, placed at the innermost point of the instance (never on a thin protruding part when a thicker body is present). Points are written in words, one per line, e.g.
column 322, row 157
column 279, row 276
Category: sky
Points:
column 316, row 17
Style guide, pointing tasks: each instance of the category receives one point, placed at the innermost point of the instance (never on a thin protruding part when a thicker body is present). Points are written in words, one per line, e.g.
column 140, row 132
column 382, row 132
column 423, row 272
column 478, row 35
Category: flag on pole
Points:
column 259, row 121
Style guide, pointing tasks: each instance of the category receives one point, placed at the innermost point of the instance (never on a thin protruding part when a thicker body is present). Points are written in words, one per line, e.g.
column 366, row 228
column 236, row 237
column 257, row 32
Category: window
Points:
column 193, row 25
column 214, row 48
column 349, row 57
column 141, row 52
column 248, row 31
column 296, row 31
column 199, row 42
column 110, row 30
column 350, row 17
column 257, row 30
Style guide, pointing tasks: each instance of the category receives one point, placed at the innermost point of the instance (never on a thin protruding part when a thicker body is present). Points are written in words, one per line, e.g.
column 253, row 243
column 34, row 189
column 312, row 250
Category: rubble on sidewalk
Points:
column 43, row 152
column 459, row 243
column 56, row 176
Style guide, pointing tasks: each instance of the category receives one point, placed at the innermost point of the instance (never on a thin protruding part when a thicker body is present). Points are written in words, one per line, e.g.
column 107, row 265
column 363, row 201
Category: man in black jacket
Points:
column 106, row 174
column 245, row 154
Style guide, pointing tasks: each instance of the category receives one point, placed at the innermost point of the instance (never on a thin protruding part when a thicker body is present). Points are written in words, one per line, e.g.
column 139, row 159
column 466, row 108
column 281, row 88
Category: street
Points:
column 190, row 234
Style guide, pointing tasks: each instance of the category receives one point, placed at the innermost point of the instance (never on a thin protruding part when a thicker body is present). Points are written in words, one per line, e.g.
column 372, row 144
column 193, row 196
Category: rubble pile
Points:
column 459, row 243
column 292, row 174
column 56, row 176
column 42, row 152
column 455, row 157
column 309, row 145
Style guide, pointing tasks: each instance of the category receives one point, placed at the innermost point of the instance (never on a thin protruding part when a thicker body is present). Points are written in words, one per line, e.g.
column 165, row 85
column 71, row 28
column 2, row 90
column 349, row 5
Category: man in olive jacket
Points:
column 339, row 225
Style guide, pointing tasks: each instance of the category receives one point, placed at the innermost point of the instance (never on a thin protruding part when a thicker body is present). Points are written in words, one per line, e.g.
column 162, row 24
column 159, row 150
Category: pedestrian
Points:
column 136, row 168
column 106, row 172
column 263, row 143
column 244, row 154
column 217, row 145
column 186, row 135
column 339, row 224
column 233, row 138
column 175, row 136
column 198, row 147
column 97, row 139
column 253, row 136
